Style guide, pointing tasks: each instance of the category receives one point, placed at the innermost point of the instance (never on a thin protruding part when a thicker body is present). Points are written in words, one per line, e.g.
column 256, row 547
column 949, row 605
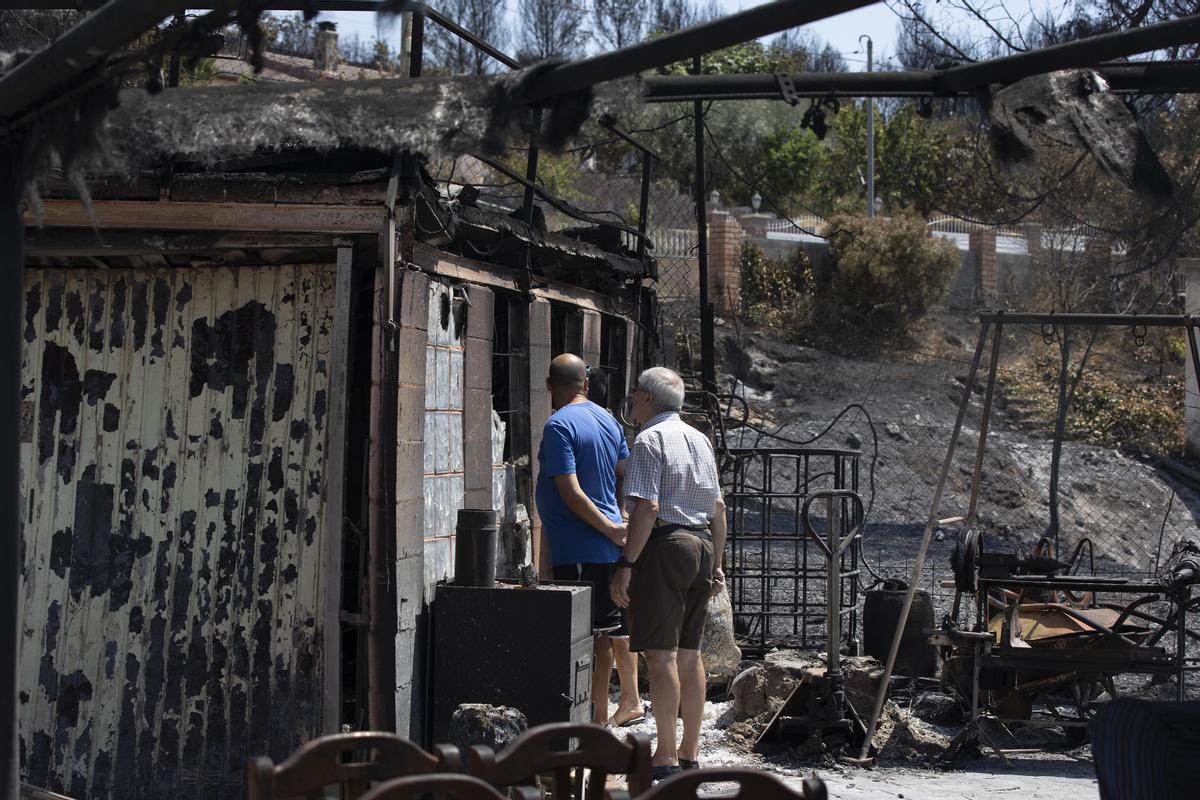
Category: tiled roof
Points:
column 280, row 68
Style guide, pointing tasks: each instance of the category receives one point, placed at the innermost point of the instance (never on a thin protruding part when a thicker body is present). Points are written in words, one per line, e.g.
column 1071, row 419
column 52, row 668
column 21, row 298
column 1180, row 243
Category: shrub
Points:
column 1144, row 415
column 885, row 273
column 774, row 293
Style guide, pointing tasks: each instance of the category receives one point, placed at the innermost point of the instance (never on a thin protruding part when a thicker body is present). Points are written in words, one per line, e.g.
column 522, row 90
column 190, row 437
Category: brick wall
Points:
column 725, row 237
column 982, row 245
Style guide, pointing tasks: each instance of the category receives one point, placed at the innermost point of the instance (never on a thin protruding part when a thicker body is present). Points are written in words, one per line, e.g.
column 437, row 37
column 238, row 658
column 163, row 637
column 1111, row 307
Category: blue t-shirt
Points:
column 585, row 440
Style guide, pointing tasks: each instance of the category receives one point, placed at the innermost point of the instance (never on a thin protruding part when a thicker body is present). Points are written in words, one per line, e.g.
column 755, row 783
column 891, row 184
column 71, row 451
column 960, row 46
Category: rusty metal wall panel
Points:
column 175, row 452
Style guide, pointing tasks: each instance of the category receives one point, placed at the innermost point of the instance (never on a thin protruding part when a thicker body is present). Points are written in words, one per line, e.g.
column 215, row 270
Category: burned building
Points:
column 264, row 362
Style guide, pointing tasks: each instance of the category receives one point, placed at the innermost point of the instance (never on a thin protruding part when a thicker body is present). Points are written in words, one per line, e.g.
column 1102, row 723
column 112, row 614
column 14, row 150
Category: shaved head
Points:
column 567, row 372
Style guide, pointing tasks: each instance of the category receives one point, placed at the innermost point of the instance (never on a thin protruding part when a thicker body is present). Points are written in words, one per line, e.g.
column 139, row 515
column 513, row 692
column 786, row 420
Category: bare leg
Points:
column 664, row 696
column 692, row 687
column 630, row 704
column 601, row 673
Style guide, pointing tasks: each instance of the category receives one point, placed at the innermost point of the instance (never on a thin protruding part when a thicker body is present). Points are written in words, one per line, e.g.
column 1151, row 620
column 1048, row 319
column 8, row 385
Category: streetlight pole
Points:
column 870, row 134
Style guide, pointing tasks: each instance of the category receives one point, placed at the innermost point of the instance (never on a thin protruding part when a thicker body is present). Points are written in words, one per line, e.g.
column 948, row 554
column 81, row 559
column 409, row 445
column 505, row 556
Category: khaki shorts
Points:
column 669, row 592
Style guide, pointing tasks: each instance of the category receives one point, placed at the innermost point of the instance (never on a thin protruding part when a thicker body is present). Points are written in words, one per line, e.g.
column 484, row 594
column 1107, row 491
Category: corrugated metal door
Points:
column 175, row 447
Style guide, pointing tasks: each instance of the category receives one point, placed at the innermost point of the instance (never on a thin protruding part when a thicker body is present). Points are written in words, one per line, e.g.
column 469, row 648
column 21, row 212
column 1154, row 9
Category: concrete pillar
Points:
column 725, row 237
column 1190, row 269
column 539, row 412
column 410, row 497
column 982, row 244
column 477, row 400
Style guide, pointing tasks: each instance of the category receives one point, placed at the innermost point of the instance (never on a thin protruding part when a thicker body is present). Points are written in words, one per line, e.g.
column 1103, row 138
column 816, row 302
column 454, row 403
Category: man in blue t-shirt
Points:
column 581, row 461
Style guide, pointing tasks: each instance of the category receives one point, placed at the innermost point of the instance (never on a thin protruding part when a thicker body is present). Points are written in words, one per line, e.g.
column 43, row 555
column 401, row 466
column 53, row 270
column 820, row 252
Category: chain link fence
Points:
column 1116, row 489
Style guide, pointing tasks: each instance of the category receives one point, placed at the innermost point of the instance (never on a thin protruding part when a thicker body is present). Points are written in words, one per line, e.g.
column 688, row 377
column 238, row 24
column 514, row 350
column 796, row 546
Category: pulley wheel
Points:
column 965, row 561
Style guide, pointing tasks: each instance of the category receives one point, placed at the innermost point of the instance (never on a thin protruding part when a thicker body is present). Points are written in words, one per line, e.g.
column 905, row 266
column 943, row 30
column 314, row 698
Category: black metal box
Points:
column 529, row 649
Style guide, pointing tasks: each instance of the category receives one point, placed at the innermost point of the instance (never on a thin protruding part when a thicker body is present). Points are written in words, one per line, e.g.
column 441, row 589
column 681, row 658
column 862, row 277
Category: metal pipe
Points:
column 12, row 267
column 644, row 206
column 1131, row 320
column 79, row 49
column 1155, row 77
column 977, row 474
column 708, row 362
column 870, row 133
column 1080, row 53
column 902, row 620
column 734, row 29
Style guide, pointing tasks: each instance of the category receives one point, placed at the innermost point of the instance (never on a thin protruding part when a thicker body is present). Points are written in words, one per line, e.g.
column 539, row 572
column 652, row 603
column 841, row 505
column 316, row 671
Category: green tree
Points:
column 792, row 168
column 916, row 162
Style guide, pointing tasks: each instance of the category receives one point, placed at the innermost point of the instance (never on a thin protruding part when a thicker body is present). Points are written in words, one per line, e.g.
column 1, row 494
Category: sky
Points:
column 843, row 31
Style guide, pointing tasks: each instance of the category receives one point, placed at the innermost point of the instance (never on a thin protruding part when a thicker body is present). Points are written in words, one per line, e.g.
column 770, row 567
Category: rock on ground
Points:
column 493, row 726
column 938, row 709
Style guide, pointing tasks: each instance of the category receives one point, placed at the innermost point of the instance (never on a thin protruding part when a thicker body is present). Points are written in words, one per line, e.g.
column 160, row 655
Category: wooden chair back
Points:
column 445, row 787
column 558, row 750
column 752, row 784
column 319, row 764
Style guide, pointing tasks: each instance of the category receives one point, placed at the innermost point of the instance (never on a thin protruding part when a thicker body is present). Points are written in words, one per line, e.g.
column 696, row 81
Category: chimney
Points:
column 325, row 54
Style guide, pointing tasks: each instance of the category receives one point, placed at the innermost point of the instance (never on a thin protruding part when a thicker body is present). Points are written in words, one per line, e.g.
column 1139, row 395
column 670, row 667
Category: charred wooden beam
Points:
column 1132, row 78
column 77, row 242
column 1081, row 53
column 705, row 38
column 294, row 218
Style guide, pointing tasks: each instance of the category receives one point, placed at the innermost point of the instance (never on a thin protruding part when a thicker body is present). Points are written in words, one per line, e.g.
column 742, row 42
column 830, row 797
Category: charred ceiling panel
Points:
column 175, row 442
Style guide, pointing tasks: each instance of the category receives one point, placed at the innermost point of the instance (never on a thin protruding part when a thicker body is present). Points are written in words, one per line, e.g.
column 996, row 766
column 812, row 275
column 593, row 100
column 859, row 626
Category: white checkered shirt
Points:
column 673, row 463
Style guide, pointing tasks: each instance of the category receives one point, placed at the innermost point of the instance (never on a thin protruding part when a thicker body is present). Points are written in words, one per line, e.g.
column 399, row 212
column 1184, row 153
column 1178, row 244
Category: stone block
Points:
column 412, row 343
column 477, row 367
column 414, row 300
column 411, row 413
column 410, row 470
column 410, row 526
column 480, row 312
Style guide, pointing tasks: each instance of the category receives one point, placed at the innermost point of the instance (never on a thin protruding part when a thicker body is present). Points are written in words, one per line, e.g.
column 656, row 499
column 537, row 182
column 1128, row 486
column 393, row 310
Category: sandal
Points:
column 634, row 720
column 687, row 763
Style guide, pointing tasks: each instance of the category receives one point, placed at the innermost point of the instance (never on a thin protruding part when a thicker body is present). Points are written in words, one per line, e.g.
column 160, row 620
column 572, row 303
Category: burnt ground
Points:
column 1131, row 509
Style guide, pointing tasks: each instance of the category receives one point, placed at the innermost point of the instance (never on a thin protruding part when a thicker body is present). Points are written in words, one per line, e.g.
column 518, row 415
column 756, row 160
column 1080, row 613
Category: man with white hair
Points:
column 671, row 562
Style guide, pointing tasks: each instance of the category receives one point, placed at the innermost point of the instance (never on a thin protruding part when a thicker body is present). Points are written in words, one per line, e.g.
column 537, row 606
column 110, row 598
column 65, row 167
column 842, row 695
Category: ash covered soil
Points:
column 906, row 769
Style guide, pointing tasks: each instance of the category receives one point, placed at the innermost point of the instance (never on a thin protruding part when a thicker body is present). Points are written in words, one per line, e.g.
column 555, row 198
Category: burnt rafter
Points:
column 1124, row 78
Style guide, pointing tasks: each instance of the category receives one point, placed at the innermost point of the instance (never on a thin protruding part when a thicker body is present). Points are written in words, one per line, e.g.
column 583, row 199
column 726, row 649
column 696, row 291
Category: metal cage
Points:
column 777, row 577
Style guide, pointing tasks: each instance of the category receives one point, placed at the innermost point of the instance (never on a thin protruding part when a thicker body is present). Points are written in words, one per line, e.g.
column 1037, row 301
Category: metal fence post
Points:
column 708, row 365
